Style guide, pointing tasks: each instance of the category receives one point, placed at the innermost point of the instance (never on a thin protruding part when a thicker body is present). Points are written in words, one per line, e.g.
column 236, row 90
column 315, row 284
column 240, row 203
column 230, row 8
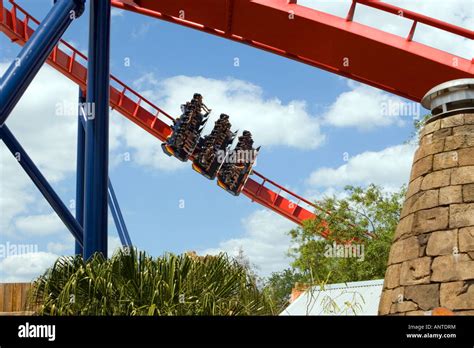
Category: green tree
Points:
column 133, row 283
column 279, row 286
column 362, row 223
column 367, row 218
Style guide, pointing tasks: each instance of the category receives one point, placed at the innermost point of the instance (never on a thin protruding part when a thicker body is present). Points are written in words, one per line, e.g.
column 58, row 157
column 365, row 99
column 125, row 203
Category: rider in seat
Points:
column 231, row 172
column 218, row 140
column 187, row 129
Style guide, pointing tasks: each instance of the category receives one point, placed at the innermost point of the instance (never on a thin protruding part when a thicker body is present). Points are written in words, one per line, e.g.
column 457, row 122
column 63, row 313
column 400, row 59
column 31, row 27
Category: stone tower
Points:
column 431, row 262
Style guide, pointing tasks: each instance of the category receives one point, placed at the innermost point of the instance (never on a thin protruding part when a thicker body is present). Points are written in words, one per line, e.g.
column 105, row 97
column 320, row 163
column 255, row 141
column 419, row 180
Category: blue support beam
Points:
column 117, row 221
column 81, row 140
column 118, row 217
column 97, row 130
column 35, row 52
column 114, row 206
column 40, row 181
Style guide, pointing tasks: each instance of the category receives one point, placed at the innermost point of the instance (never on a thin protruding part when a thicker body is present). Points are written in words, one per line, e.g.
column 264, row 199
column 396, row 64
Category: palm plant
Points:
column 133, row 283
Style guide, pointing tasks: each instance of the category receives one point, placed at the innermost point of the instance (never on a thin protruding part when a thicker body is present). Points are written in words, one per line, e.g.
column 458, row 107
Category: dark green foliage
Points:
column 132, row 283
column 363, row 210
column 279, row 287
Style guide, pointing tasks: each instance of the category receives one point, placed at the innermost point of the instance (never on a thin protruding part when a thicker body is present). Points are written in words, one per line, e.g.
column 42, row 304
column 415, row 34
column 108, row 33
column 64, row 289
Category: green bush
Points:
column 133, row 283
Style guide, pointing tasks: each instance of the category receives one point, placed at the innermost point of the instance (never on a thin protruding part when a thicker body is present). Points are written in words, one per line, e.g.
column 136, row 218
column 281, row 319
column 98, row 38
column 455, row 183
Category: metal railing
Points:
column 416, row 17
column 75, row 56
column 298, row 199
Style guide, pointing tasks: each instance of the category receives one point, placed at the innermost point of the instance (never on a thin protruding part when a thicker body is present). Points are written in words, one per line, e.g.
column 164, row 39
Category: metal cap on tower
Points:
column 449, row 98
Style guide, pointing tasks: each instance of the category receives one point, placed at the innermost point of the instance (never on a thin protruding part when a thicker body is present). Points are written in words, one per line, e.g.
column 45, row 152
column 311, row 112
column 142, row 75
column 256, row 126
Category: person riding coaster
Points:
column 213, row 148
column 187, row 129
column 237, row 166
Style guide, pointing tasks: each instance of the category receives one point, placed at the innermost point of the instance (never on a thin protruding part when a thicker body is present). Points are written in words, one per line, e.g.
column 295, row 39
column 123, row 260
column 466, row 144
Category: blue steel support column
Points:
column 35, row 52
column 40, row 181
column 118, row 212
column 97, row 130
column 123, row 240
column 81, row 141
column 112, row 198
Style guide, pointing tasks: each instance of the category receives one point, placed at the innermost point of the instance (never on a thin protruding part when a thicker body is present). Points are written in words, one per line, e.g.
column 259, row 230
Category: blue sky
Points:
column 318, row 132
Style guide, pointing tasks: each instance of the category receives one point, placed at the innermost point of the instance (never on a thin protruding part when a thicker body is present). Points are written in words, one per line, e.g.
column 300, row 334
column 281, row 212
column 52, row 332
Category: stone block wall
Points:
column 431, row 262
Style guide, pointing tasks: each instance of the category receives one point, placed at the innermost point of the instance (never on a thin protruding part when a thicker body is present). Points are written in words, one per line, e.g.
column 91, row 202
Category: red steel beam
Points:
column 432, row 22
column 347, row 48
column 147, row 115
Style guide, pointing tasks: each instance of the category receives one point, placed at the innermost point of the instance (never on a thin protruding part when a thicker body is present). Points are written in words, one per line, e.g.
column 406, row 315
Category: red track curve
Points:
column 17, row 24
column 338, row 45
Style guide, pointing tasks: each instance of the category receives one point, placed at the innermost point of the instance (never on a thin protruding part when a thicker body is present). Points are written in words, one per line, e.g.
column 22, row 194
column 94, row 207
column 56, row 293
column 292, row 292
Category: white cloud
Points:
column 116, row 12
column 14, row 198
column 271, row 121
column 39, row 225
column 146, row 149
column 113, row 243
column 145, row 81
column 141, row 30
column 366, row 108
column 61, row 248
column 388, row 168
column 316, row 194
column 25, row 267
column 62, row 244
column 45, row 123
column 47, row 136
column 265, row 242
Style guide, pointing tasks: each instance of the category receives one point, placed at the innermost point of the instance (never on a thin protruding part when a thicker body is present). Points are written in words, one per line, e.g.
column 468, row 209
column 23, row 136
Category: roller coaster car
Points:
column 237, row 166
column 210, row 157
column 239, row 172
column 187, row 129
column 212, row 150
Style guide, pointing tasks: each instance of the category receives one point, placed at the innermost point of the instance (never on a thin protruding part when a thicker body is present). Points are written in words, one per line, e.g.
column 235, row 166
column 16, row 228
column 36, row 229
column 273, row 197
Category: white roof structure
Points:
column 355, row 298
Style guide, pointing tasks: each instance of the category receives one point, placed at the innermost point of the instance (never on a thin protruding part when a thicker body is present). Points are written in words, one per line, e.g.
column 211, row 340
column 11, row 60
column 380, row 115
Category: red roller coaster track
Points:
column 285, row 28
column 338, row 45
column 17, row 24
